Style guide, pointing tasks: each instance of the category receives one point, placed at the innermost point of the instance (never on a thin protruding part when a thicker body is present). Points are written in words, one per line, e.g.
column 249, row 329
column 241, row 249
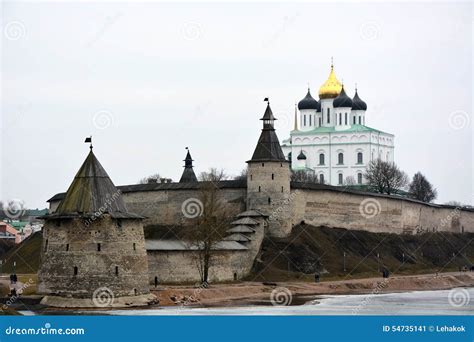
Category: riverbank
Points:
column 252, row 293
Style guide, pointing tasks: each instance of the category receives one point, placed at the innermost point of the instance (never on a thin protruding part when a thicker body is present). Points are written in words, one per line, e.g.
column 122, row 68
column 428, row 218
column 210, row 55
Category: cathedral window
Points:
column 340, row 118
column 329, row 115
column 321, row 178
column 321, row 159
column 360, row 120
column 310, row 120
column 345, row 119
column 354, row 120
column 340, row 178
column 340, row 158
column 360, row 159
column 359, row 178
column 319, row 122
column 304, row 120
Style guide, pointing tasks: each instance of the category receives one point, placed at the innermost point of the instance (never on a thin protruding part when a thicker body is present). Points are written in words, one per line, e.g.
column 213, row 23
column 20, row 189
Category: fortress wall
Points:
column 165, row 207
column 375, row 213
column 181, row 266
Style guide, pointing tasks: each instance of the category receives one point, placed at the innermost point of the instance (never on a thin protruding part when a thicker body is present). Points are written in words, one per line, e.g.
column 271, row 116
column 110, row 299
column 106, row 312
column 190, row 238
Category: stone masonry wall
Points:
column 75, row 244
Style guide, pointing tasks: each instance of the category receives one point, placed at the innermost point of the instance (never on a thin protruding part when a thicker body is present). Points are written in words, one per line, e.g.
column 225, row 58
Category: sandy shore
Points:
column 253, row 293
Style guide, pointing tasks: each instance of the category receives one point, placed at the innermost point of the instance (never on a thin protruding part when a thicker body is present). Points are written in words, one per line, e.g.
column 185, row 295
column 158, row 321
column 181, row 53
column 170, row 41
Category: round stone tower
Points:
column 268, row 179
column 93, row 251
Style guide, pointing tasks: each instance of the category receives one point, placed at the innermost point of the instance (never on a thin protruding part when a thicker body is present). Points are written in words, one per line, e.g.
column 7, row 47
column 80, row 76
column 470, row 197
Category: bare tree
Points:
column 213, row 222
column 242, row 175
column 385, row 177
column 350, row 180
column 155, row 178
column 455, row 204
column 421, row 189
column 304, row 176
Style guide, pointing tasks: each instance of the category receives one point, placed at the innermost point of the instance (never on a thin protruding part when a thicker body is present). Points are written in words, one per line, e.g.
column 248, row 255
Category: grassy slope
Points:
column 26, row 255
column 309, row 249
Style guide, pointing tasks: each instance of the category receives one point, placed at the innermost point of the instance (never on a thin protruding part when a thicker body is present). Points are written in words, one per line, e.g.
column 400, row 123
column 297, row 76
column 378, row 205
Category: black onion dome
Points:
column 342, row 100
column 301, row 156
column 357, row 103
column 308, row 102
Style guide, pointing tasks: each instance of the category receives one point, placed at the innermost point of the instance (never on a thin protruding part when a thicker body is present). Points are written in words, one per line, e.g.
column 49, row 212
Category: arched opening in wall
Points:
column 67, row 247
column 156, row 281
column 98, row 247
column 251, row 176
column 319, row 123
column 263, row 164
column 354, row 120
column 360, row 120
column 340, row 179
column 281, row 164
column 116, row 270
column 134, row 246
column 321, row 178
column 340, row 158
column 345, row 119
column 235, row 276
column 259, row 188
column 75, row 270
column 273, row 176
column 359, row 178
column 135, row 292
column 281, row 189
column 46, row 245
column 329, row 115
column 269, row 200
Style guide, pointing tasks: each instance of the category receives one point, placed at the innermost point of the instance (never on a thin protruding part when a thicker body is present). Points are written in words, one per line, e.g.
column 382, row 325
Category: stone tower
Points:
column 93, row 251
column 268, row 179
column 188, row 175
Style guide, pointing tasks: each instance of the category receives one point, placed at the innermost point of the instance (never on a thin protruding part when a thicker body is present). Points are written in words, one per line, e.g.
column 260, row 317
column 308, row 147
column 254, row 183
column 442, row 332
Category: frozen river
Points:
column 458, row 301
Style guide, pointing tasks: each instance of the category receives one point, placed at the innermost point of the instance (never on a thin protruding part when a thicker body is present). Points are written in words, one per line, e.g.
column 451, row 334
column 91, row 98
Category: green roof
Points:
column 352, row 128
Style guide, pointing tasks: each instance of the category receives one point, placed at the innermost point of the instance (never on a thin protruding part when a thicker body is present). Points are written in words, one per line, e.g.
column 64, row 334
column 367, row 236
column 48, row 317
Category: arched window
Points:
column 340, row 178
column 360, row 120
column 359, row 178
column 310, row 117
column 340, row 118
column 345, row 119
column 329, row 116
column 319, row 122
column 354, row 120
column 321, row 159
column 304, row 120
column 321, row 178
column 360, row 159
column 340, row 158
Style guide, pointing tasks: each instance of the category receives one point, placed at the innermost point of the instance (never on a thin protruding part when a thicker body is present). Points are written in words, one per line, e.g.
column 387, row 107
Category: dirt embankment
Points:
column 253, row 292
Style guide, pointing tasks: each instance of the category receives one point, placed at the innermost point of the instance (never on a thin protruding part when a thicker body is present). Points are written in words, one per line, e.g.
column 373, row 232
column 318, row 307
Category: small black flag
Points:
column 88, row 140
column 265, row 99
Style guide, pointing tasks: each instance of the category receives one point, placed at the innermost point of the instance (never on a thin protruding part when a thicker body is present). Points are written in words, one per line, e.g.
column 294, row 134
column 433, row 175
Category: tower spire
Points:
column 188, row 172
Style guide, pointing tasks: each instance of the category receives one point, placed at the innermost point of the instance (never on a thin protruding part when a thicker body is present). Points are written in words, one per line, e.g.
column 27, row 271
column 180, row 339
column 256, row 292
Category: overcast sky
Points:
column 148, row 79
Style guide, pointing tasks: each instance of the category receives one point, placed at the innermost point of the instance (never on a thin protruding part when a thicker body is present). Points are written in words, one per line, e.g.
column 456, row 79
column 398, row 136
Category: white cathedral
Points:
column 332, row 139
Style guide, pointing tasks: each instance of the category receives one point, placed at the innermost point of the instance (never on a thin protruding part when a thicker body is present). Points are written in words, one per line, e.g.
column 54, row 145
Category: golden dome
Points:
column 331, row 88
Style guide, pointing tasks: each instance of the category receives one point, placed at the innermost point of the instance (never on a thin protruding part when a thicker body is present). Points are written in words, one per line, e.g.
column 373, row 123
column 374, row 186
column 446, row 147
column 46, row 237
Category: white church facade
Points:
column 332, row 139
